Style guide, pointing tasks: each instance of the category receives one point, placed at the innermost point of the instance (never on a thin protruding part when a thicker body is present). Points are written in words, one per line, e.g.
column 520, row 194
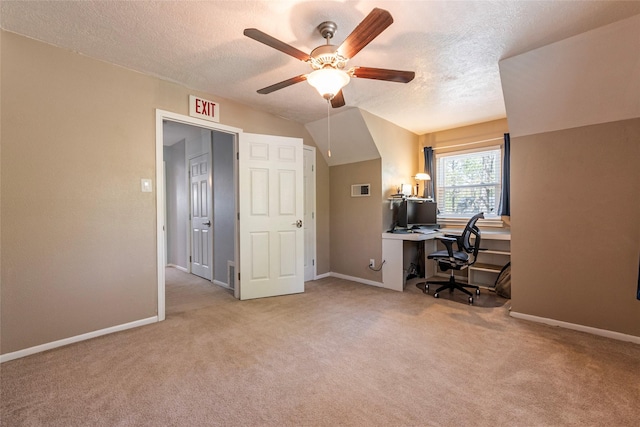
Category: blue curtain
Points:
column 428, row 169
column 505, row 198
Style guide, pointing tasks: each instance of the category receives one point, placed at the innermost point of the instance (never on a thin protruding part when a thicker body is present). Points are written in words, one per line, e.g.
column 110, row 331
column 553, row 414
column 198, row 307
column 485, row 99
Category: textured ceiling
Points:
column 453, row 46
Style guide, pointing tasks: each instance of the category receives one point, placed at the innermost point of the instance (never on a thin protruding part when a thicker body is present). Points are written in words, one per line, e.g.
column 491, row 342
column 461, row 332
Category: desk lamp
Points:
column 421, row 177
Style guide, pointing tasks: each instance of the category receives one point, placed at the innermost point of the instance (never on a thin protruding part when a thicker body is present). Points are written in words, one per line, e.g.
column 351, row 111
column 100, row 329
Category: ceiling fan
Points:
column 328, row 61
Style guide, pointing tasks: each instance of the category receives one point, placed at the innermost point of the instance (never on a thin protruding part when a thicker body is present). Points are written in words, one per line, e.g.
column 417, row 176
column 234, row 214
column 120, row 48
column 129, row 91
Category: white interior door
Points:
column 309, row 222
column 271, row 213
column 201, row 237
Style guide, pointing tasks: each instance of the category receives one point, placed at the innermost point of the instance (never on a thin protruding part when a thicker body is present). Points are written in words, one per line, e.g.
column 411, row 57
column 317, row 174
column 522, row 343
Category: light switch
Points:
column 146, row 185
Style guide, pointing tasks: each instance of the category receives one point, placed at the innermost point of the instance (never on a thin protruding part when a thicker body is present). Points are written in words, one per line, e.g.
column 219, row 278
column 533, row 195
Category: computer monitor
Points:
column 417, row 213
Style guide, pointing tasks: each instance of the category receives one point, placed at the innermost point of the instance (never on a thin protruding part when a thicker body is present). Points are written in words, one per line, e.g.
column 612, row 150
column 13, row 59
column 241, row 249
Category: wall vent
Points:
column 231, row 274
column 360, row 190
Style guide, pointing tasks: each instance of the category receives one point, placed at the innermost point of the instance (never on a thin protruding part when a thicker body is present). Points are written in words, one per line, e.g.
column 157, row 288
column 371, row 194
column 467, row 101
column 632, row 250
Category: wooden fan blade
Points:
column 283, row 84
column 265, row 38
column 370, row 28
column 338, row 100
column 383, row 74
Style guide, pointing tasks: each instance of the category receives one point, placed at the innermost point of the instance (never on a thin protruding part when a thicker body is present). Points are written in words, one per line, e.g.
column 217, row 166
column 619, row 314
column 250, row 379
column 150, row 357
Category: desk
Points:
column 393, row 254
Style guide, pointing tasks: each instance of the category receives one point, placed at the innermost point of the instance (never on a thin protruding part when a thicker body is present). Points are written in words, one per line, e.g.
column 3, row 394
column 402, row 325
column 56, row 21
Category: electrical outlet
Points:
column 372, row 263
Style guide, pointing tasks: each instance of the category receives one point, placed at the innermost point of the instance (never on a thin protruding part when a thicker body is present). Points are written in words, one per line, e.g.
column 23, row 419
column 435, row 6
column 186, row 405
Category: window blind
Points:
column 469, row 182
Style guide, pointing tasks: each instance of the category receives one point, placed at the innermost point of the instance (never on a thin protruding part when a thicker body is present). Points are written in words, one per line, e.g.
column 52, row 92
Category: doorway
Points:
column 268, row 190
column 185, row 138
column 200, row 201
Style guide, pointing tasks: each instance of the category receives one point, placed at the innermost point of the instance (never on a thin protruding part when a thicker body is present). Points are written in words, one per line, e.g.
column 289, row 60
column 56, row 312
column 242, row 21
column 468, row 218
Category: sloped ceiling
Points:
column 347, row 134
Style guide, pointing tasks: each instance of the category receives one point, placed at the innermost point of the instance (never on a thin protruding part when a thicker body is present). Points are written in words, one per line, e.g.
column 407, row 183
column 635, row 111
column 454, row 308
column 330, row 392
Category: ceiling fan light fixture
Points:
column 328, row 81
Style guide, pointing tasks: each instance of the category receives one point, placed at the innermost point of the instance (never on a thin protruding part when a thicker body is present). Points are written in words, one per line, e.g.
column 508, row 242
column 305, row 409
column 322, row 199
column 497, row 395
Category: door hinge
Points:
column 313, row 262
column 238, row 216
column 237, row 156
column 238, row 277
column 312, row 168
column 313, row 215
column 189, row 258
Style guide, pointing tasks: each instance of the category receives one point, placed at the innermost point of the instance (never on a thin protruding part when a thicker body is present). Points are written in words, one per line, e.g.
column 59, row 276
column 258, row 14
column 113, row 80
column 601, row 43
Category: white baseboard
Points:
column 357, row 279
column 177, row 267
column 588, row 329
column 221, row 284
column 48, row 346
column 322, row 276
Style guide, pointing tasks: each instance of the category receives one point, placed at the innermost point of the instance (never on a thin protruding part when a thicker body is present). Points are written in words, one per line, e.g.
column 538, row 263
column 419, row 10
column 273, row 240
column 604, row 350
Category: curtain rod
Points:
column 469, row 143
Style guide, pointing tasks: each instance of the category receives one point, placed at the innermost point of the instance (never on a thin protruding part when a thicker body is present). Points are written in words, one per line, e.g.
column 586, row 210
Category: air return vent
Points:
column 231, row 274
column 360, row 190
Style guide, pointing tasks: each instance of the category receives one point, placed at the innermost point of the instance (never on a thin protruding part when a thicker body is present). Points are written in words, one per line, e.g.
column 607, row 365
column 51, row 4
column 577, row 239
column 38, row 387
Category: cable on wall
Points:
column 378, row 269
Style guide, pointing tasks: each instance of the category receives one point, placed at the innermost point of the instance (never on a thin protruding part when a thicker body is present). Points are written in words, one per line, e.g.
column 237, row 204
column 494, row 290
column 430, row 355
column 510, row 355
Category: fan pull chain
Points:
column 328, row 128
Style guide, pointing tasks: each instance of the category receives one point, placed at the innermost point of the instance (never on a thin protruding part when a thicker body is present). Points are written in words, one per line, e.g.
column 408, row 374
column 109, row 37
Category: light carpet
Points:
column 340, row 354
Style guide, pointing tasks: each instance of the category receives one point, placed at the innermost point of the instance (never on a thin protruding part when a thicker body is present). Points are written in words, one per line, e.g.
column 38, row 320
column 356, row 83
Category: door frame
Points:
column 161, row 116
column 312, row 152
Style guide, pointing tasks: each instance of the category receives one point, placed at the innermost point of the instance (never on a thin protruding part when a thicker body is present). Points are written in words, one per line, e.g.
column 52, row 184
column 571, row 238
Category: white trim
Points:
column 322, row 276
column 357, row 279
column 164, row 202
column 576, row 327
column 66, row 341
column 443, row 147
column 311, row 149
column 178, row 267
column 162, row 115
column 160, row 218
column 222, row 284
column 187, row 186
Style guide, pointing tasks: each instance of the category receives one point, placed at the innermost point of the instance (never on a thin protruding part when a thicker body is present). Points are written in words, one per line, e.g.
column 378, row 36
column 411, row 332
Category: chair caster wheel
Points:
column 436, row 295
column 471, row 300
column 477, row 291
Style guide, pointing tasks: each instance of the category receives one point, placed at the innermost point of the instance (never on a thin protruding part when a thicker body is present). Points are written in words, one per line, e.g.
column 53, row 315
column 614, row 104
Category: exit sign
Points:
column 204, row 109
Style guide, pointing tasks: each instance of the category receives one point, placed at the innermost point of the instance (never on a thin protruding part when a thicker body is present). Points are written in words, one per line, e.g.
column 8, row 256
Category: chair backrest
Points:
column 472, row 229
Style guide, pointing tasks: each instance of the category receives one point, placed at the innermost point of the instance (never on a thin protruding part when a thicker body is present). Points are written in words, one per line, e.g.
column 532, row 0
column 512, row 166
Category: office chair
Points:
column 461, row 259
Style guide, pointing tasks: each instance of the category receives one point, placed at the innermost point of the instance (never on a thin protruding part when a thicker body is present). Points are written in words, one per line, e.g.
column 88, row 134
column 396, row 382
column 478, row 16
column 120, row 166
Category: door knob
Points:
column 298, row 223
column 207, row 223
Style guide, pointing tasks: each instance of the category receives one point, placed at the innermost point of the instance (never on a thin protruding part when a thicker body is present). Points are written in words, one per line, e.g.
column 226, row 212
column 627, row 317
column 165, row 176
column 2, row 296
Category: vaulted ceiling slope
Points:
column 453, row 47
column 347, row 135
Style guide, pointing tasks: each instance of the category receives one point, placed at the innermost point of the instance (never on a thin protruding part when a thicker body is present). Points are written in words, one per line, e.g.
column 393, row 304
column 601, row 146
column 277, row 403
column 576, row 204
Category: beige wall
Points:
column 397, row 148
column 458, row 137
column 575, row 225
column 355, row 221
column 78, row 238
column 575, row 145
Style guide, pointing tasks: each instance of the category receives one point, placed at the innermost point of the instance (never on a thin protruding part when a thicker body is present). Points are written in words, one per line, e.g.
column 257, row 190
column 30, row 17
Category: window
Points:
column 469, row 182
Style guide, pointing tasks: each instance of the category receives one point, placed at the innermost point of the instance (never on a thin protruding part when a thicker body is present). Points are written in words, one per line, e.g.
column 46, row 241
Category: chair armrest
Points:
column 447, row 239
column 448, row 242
column 458, row 239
